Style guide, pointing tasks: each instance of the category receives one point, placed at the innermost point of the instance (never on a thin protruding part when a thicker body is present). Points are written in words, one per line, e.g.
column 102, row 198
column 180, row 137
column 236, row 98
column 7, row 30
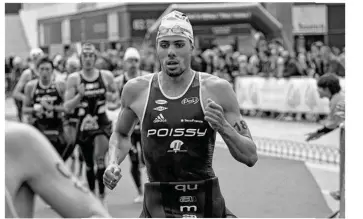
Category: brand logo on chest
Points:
column 190, row 100
column 160, row 108
column 161, row 102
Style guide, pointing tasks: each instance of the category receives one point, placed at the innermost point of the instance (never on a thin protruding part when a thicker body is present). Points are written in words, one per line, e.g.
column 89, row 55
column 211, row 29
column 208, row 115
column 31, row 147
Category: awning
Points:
column 228, row 13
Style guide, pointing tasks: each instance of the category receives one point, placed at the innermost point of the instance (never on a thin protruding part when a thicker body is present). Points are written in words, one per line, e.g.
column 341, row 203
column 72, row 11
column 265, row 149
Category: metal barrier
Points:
column 342, row 171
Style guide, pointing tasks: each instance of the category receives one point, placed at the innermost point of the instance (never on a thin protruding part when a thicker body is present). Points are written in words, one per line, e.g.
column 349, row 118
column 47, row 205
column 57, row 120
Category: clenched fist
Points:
column 111, row 176
column 214, row 115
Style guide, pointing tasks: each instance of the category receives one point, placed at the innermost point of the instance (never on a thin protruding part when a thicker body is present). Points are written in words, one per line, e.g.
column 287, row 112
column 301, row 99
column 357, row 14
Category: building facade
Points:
column 60, row 25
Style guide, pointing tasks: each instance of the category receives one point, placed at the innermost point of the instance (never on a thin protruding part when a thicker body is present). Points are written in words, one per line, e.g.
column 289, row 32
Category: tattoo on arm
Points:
column 242, row 128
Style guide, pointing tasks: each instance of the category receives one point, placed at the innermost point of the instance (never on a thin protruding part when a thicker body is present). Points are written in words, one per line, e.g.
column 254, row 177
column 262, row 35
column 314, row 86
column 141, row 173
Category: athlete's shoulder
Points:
column 27, row 73
column 213, row 82
column 107, row 73
column 60, row 83
column 75, row 76
column 140, row 81
column 144, row 73
column 135, row 86
column 32, row 83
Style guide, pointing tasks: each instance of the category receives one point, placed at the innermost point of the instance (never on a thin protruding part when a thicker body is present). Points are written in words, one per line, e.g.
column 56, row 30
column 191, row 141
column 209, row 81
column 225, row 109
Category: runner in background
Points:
column 27, row 75
column 132, row 70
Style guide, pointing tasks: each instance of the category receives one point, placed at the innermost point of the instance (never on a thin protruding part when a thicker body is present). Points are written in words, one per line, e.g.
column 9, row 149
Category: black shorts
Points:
column 184, row 199
column 55, row 136
column 87, row 137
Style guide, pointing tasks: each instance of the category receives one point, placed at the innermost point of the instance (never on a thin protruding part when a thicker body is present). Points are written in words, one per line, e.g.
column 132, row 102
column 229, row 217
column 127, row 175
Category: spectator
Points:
column 290, row 66
column 330, row 64
column 198, row 63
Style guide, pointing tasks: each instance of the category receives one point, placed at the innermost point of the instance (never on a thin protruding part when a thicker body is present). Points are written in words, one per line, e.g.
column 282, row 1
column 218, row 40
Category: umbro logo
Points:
column 160, row 108
column 159, row 118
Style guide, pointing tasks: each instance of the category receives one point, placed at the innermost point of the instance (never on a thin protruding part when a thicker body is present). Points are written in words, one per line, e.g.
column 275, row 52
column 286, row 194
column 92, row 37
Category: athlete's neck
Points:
column 90, row 74
column 175, row 86
column 131, row 75
column 45, row 82
column 180, row 81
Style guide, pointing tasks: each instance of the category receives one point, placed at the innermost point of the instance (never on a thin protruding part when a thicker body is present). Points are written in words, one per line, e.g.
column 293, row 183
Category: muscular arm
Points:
column 24, row 78
column 28, row 103
column 111, row 86
column 120, row 142
column 71, row 99
column 48, row 176
column 235, row 132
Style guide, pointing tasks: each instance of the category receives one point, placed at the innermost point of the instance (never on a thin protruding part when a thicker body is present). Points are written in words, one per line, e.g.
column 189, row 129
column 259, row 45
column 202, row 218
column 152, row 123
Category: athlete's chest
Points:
column 94, row 89
column 50, row 95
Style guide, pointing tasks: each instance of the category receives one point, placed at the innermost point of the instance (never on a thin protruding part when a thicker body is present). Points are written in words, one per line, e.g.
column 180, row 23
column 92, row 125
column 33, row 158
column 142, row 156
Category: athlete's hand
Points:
column 110, row 97
column 111, row 176
column 81, row 89
column 46, row 105
column 214, row 115
column 38, row 108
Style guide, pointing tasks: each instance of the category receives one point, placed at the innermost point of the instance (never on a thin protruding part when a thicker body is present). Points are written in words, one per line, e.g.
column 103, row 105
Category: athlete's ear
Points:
column 191, row 46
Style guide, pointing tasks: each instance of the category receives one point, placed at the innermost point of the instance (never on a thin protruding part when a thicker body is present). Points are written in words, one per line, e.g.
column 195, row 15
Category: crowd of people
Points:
column 270, row 59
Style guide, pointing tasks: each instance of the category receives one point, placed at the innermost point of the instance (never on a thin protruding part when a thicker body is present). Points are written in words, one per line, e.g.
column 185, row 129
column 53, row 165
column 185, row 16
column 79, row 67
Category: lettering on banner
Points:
column 254, row 94
column 142, row 24
column 293, row 96
column 311, row 97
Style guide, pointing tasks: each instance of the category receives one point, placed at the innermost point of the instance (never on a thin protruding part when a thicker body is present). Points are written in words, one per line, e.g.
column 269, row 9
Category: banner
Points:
column 309, row 19
column 296, row 95
column 247, row 91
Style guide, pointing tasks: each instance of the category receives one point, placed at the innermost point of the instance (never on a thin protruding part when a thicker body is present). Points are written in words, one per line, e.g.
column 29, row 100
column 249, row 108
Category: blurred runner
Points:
column 38, row 170
column 86, row 95
column 132, row 70
column 180, row 111
column 44, row 103
column 27, row 75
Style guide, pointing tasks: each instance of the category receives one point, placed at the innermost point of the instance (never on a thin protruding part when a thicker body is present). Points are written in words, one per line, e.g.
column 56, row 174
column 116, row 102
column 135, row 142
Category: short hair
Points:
column 330, row 81
column 45, row 59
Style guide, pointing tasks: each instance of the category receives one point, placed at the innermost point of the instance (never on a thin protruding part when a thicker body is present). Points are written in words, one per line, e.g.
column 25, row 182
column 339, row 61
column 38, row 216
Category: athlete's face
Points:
column 174, row 53
column 132, row 65
column 45, row 71
column 88, row 60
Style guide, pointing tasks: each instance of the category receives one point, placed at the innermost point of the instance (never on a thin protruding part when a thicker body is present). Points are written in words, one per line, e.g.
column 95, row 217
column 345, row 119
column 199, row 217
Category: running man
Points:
column 27, row 75
column 86, row 95
column 70, row 125
column 33, row 168
column 132, row 70
column 180, row 111
column 44, row 103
